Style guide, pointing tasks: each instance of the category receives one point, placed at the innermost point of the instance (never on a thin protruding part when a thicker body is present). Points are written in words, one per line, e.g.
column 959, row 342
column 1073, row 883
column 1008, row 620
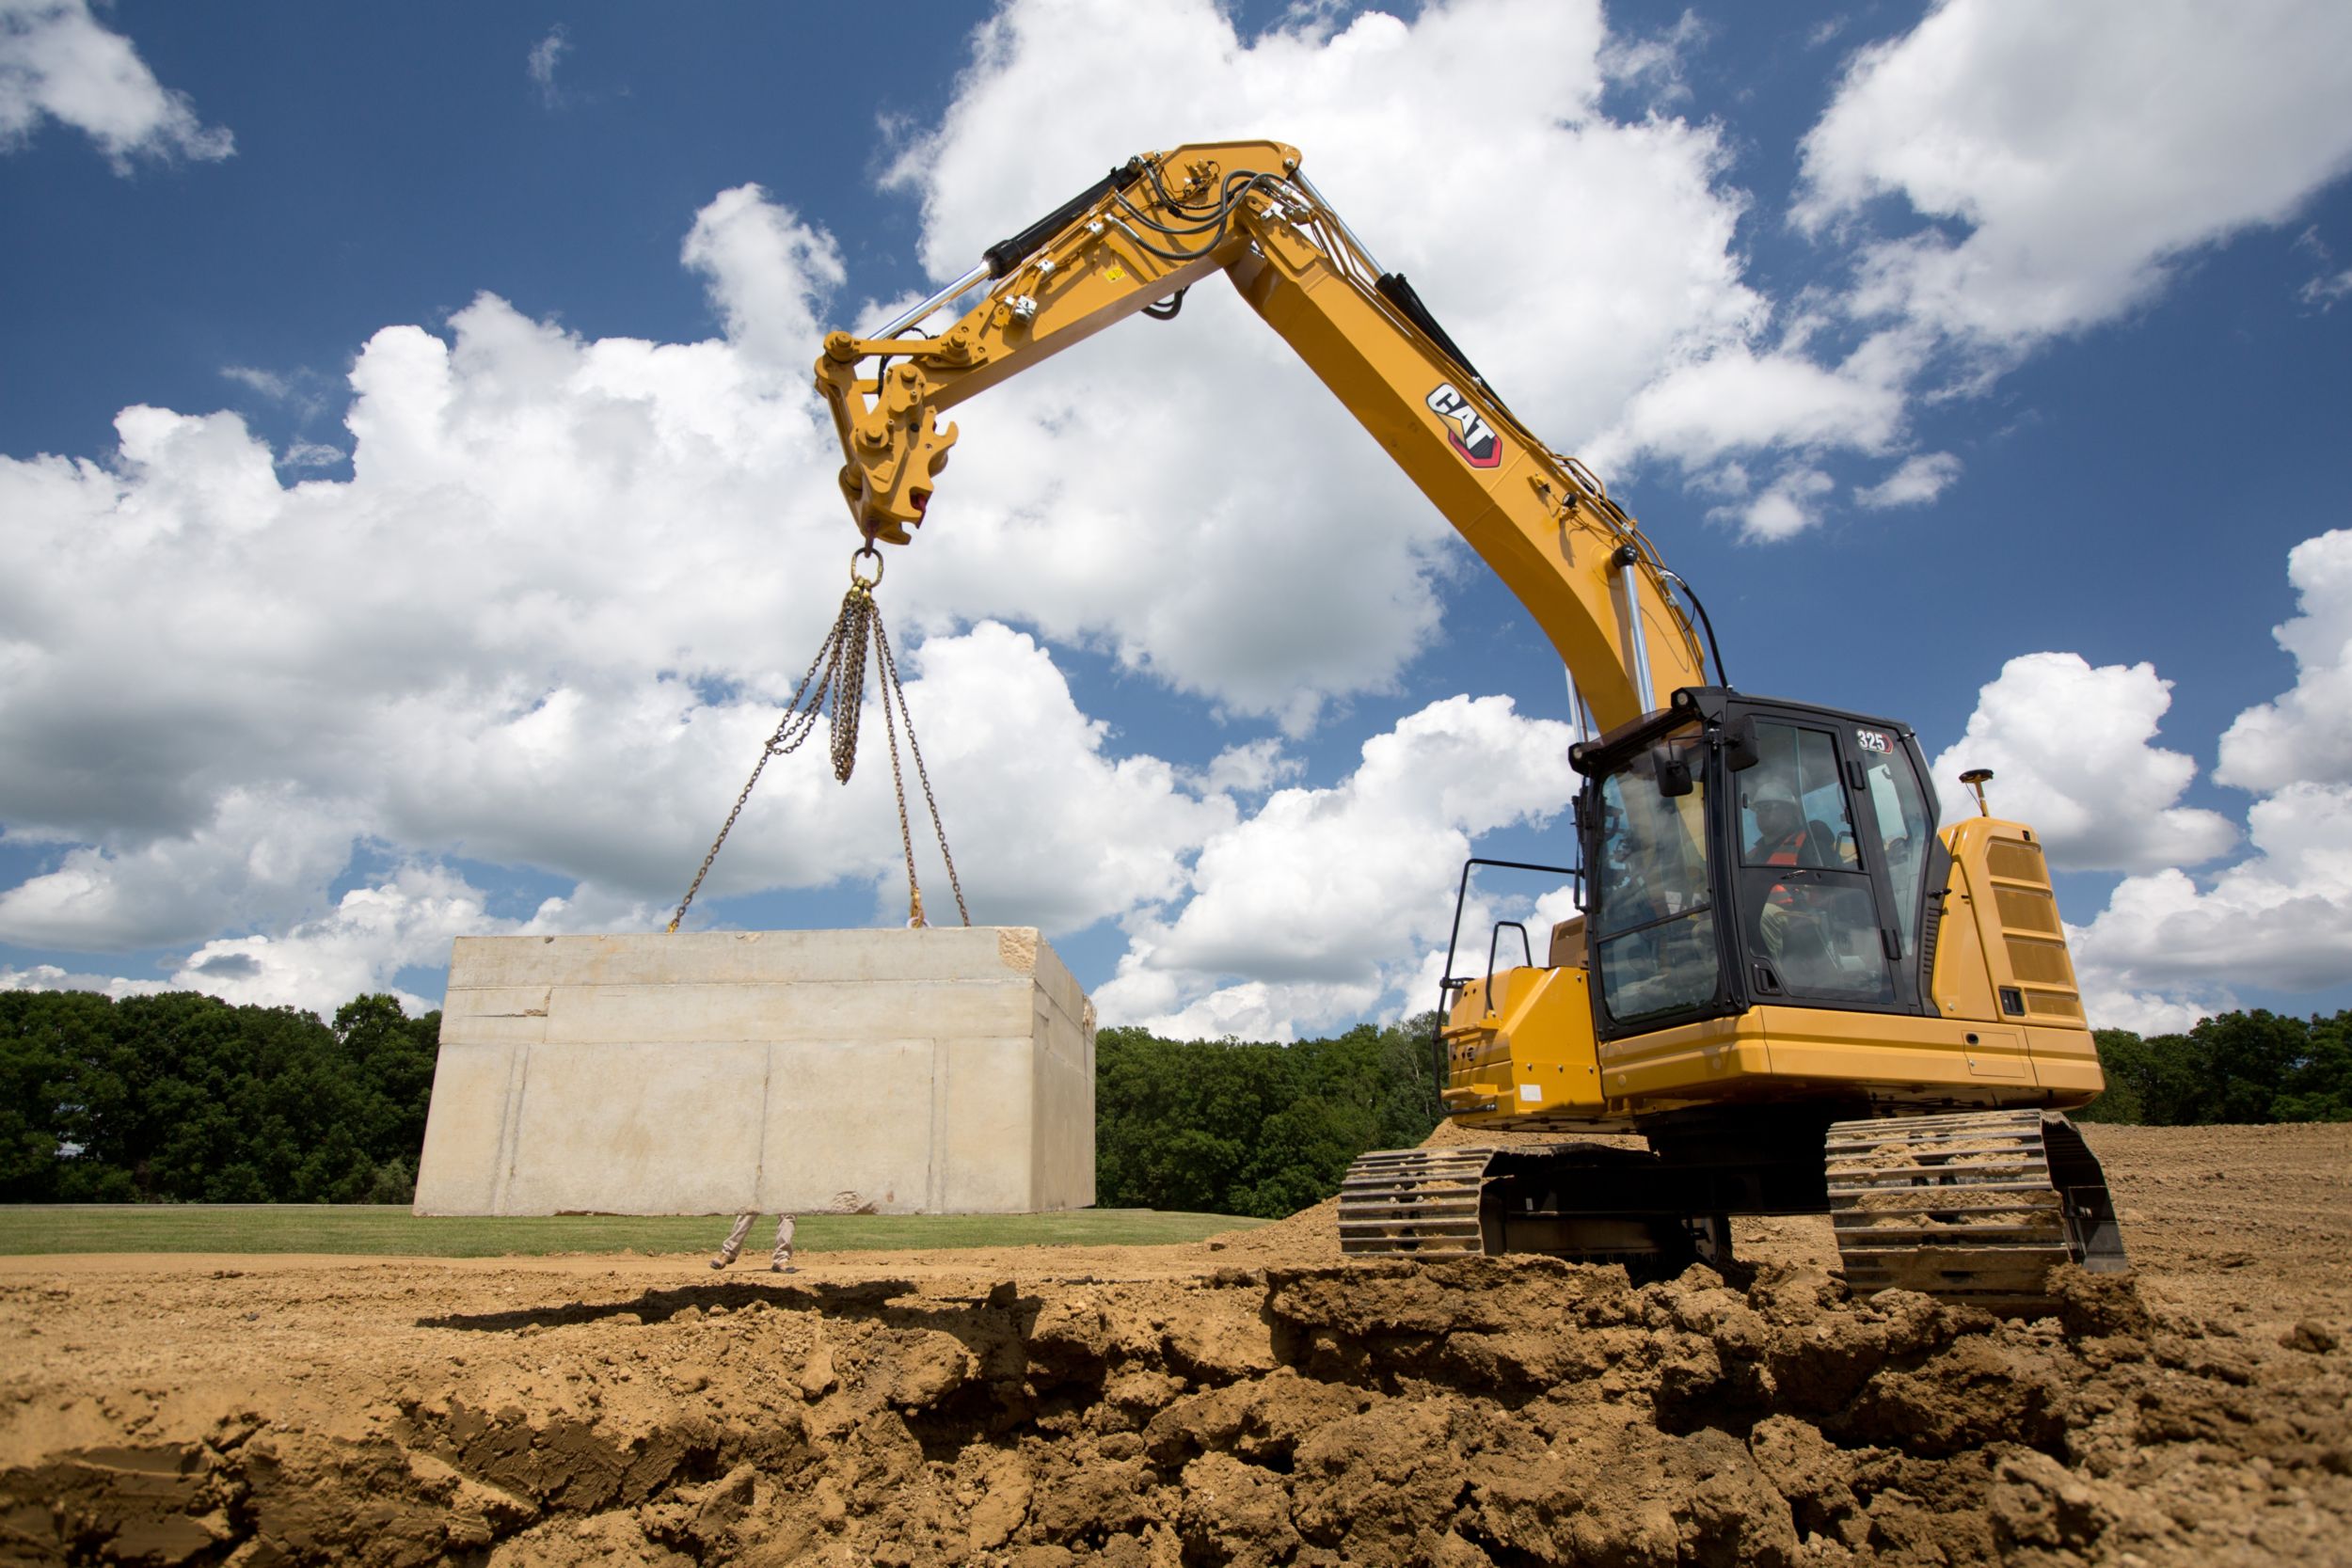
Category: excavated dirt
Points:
column 1250, row 1400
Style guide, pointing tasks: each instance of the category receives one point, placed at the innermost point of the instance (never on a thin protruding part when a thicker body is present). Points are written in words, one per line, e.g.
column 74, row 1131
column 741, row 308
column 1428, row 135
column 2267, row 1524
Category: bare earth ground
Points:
column 1253, row 1400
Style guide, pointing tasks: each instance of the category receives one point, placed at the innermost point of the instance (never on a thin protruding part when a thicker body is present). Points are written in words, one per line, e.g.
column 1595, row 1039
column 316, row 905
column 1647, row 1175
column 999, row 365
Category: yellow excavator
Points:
column 1802, row 994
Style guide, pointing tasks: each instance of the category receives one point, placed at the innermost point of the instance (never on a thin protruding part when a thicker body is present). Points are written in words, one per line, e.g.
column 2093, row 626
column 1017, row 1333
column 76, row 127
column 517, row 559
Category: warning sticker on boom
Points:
column 1471, row 436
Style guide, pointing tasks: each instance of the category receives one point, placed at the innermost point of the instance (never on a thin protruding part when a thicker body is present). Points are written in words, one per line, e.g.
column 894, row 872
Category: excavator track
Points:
column 1976, row 1208
column 1574, row 1200
column 1414, row 1202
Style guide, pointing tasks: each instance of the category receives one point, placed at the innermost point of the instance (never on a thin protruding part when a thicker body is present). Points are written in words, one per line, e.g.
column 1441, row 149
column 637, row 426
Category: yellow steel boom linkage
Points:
column 1149, row 230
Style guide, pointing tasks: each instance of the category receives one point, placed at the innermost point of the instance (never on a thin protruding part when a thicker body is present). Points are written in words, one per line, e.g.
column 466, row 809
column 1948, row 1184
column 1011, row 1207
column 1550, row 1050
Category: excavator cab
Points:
column 1745, row 850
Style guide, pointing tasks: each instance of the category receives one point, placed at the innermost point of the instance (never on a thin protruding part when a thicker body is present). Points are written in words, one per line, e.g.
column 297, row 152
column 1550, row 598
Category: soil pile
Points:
column 1256, row 1401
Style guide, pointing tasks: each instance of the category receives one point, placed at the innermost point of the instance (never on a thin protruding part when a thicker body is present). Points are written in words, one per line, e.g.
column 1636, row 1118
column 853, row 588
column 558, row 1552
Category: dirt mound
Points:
column 1449, row 1134
column 1203, row 1405
column 1310, row 1236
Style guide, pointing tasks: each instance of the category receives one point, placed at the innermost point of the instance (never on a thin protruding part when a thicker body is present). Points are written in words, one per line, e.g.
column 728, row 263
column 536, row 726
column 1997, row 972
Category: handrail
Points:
column 1494, row 940
column 1447, row 985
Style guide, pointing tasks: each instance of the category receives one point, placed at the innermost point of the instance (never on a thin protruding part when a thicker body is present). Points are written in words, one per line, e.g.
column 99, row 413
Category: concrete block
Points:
column 889, row 1072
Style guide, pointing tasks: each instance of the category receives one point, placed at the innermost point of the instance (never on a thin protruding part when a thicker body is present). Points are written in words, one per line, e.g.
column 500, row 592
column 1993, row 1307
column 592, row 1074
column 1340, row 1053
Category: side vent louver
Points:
column 2030, row 931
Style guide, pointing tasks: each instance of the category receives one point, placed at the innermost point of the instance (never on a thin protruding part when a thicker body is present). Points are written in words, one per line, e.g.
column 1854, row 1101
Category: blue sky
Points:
column 1975, row 375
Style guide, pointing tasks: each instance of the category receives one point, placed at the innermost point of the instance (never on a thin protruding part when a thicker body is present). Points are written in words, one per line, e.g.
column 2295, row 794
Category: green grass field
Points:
column 359, row 1228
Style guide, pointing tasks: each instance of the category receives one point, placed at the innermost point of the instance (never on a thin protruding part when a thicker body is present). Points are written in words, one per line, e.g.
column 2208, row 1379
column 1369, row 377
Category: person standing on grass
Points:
column 779, row 1262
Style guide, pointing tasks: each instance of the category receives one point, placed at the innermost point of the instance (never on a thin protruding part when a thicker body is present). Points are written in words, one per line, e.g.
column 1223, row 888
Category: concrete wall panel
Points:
column 890, row 1072
column 594, row 1119
column 982, row 1111
column 847, row 1127
column 473, row 1084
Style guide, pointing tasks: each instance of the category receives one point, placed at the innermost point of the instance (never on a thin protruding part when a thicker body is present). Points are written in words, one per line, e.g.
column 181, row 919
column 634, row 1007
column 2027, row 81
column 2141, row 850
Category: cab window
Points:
column 1792, row 805
column 1654, row 946
column 1807, row 908
column 1906, row 831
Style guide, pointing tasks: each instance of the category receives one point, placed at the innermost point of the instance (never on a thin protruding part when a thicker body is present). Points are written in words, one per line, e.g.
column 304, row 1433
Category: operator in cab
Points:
column 1780, row 831
column 1780, row 841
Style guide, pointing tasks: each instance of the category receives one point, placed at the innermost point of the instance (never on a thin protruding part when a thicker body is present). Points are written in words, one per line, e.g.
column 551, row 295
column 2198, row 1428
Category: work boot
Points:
column 732, row 1248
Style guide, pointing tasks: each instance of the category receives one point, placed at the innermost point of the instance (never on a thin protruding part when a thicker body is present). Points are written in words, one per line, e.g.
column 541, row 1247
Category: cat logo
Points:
column 1473, row 437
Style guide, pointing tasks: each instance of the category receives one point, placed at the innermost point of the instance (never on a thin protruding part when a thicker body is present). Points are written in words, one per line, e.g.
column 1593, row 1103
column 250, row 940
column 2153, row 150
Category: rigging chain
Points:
column 838, row 674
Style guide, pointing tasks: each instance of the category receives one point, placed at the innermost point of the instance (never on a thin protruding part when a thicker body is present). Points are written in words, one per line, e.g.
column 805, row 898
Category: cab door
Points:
column 1813, row 907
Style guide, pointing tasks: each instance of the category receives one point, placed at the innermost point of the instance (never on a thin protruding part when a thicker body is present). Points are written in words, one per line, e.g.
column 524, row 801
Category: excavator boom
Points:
column 1167, row 220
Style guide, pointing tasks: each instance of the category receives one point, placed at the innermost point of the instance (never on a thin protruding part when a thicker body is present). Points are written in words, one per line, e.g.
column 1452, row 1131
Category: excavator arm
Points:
column 1133, row 244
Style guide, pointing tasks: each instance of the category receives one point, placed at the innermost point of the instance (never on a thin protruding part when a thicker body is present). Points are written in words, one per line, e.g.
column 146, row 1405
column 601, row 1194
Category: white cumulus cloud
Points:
column 1783, row 509
column 2071, row 748
column 2171, row 946
column 266, row 857
column 1319, row 905
column 56, row 62
column 1921, row 478
column 771, row 276
column 2305, row 734
column 2084, row 149
column 51, row 977
column 372, row 934
column 357, row 944
column 1717, row 399
column 2281, row 918
column 1996, row 176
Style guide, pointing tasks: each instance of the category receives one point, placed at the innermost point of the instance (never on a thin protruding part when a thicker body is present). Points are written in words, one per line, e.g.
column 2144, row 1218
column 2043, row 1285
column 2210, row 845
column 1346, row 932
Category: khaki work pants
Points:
column 733, row 1247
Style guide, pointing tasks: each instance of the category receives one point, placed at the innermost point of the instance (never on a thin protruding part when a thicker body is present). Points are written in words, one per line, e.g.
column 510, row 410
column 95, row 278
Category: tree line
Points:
column 183, row 1098
column 2239, row 1067
column 1245, row 1128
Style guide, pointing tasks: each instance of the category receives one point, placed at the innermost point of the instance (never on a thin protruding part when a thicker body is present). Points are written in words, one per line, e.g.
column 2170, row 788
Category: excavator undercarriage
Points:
column 1976, row 1207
